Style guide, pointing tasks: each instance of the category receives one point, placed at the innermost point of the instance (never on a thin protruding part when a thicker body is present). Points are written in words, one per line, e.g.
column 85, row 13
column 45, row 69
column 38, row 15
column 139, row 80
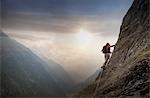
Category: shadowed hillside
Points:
column 127, row 73
column 25, row 74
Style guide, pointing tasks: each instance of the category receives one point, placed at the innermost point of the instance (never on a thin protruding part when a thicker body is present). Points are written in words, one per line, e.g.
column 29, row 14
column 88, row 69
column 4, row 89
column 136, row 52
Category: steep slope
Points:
column 23, row 73
column 127, row 73
column 88, row 81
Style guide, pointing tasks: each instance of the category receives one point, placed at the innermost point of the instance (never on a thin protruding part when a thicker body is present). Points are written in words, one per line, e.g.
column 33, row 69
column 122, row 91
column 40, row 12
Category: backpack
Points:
column 104, row 50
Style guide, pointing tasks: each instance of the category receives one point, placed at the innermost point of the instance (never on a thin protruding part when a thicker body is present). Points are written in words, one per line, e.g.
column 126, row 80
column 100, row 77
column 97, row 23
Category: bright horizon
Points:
column 78, row 53
column 69, row 32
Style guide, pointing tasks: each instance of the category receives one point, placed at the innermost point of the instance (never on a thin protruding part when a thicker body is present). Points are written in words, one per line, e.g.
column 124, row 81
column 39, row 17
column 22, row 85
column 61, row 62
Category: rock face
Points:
column 127, row 73
column 23, row 74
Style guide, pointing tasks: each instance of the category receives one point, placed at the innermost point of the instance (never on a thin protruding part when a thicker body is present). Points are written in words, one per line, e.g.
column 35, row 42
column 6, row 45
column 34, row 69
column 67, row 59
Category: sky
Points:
column 70, row 32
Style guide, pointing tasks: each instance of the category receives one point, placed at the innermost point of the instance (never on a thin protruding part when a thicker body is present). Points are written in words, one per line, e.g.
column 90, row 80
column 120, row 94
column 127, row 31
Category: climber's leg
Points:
column 107, row 58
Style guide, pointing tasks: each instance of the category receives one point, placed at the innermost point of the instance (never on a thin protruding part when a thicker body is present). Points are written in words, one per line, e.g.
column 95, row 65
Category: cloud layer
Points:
column 64, row 16
column 52, row 29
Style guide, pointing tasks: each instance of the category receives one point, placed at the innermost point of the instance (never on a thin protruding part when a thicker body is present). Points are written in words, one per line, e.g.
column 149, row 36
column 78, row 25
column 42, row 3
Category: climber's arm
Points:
column 112, row 46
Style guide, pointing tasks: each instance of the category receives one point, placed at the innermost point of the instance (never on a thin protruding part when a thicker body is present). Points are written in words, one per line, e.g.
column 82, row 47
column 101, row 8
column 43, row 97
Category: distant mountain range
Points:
column 24, row 74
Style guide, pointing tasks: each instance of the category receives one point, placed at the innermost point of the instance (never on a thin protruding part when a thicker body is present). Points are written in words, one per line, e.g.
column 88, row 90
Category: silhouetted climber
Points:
column 107, row 52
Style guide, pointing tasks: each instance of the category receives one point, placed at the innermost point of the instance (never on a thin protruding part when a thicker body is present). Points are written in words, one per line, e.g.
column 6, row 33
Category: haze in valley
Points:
column 70, row 32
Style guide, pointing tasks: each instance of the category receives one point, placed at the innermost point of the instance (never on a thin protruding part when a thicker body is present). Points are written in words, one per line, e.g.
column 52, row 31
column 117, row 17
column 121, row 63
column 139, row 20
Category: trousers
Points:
column 107, row 57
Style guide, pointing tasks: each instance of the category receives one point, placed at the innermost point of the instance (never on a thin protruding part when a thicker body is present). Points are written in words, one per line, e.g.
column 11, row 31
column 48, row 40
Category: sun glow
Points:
column 84, row 37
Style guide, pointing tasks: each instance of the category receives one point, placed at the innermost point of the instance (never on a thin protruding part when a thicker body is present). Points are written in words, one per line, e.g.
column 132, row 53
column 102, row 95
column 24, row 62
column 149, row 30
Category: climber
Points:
column 107, row 52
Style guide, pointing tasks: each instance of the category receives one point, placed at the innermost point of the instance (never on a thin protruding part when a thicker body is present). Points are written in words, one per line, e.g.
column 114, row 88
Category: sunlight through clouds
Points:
column 70, row 32
column 84, row 37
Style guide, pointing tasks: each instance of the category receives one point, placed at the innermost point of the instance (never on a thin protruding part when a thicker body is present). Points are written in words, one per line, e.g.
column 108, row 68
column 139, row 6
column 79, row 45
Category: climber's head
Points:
column 107, row 44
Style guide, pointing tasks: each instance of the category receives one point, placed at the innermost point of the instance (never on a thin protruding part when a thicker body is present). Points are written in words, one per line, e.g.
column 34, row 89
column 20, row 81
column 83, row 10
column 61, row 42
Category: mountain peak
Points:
column 3, row 34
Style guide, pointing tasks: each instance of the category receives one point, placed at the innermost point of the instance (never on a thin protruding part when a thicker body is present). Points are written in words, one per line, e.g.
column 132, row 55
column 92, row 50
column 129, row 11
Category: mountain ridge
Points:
column 127, row 73
column 24, row 74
